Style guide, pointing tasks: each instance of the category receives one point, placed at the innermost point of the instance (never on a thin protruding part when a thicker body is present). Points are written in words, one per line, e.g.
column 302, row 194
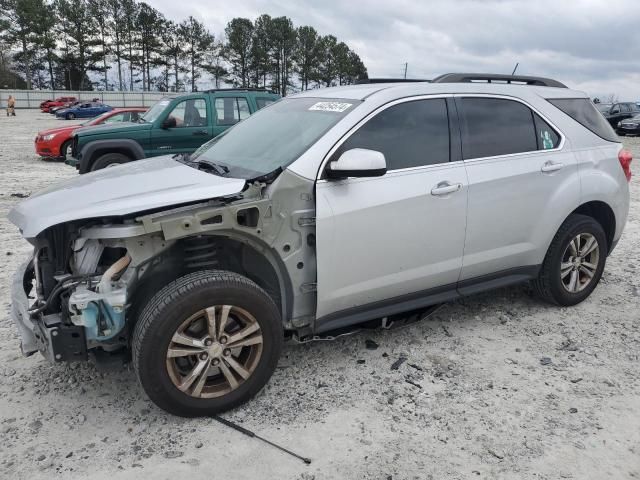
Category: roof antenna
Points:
column 515, row 68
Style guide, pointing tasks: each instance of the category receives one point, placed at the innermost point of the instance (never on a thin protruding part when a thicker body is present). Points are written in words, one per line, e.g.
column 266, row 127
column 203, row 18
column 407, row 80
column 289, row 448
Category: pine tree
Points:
column 239, row 34
column 196, row 41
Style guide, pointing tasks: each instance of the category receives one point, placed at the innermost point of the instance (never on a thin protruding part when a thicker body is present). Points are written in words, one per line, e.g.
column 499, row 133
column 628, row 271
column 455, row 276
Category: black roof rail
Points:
column 238, row 89
column 389, row 80
column 497, row 78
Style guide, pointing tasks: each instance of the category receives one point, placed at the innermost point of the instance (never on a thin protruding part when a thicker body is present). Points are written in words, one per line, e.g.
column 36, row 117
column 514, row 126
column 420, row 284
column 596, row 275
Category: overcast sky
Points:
column 590, row 45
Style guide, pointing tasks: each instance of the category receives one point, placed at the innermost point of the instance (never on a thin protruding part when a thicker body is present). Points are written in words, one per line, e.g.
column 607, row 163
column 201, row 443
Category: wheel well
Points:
column 601, row 213
column 206, row 252
column 103, row 151
column 66, row 142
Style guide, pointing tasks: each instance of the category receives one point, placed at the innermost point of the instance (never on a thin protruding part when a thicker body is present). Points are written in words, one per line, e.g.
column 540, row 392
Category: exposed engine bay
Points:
column 82, row 287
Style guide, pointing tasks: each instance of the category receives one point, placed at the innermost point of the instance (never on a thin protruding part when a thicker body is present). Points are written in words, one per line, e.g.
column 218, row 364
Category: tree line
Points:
column 129, row 45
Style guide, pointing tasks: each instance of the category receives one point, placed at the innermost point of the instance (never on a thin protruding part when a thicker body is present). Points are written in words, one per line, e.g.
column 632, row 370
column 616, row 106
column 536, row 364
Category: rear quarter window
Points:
column 262, row 102
column 586, row 114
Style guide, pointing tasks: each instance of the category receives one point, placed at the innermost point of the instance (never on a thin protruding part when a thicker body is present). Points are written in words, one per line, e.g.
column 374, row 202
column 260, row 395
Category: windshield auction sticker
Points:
column 330, row 106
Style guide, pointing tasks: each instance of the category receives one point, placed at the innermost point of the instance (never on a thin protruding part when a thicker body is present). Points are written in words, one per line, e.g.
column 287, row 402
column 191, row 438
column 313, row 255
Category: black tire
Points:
column 181, row 299
column 64, row 149
column 70, row 116
column 549, row 285
column 109, row 160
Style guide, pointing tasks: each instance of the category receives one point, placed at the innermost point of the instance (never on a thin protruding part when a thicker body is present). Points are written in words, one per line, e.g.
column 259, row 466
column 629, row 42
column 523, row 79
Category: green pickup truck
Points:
column 173, row 125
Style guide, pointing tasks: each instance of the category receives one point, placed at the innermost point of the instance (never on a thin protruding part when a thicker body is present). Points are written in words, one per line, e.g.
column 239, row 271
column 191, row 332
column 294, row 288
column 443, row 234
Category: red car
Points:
column 55, row 142
column 58, row 102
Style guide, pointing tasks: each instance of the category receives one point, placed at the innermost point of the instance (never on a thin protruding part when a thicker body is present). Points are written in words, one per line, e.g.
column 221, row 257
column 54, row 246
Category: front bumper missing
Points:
column 20, row 313
column 45, row 333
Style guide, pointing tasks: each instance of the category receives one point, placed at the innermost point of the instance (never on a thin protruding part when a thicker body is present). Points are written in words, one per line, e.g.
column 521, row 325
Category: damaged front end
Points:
column 70, row 299
column 82, row 291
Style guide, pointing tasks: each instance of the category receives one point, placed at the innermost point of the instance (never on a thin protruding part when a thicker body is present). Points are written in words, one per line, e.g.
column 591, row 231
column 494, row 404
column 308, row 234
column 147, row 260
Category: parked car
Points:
column 58, row 102
column 173, row 125
column 620, row 111
column 44, row 103
column 603, row 107
column 56, row 142
column 83, row 110
column 54, row 110
column 327, row 209
column 629, row 126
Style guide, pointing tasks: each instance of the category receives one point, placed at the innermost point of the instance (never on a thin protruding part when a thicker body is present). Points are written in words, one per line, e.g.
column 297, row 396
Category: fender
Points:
column 95, row 148
column 604, row 188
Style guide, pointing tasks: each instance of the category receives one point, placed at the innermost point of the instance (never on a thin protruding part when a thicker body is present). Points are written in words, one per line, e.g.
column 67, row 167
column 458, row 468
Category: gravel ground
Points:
column 494, row 386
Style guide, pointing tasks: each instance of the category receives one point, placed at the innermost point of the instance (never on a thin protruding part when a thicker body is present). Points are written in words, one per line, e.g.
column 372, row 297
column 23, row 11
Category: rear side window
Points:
column 586, row 114
column 410, row 134
column 495, row 126
column 230, row 110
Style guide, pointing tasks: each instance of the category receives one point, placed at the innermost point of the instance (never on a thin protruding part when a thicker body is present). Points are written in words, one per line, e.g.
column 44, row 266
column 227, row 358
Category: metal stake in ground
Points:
column 251, row 434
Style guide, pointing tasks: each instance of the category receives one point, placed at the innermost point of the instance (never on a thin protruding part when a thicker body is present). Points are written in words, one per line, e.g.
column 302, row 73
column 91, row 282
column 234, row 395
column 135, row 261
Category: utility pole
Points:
column 406, row 65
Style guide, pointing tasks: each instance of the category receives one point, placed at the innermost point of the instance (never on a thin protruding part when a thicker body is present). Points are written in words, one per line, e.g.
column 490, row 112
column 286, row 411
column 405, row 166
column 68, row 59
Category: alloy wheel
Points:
column 214, row 351
column 579, row 262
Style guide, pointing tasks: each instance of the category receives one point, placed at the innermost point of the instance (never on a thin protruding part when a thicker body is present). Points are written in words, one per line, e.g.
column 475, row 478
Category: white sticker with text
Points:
column 330, row 106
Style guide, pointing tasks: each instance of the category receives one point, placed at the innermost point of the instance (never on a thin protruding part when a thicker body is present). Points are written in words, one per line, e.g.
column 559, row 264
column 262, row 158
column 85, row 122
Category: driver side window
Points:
column 190, row 113
column 410, row 134
column 615, row 109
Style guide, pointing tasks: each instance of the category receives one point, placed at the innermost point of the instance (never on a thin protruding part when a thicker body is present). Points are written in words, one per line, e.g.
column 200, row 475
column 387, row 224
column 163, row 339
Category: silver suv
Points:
column 324, row 210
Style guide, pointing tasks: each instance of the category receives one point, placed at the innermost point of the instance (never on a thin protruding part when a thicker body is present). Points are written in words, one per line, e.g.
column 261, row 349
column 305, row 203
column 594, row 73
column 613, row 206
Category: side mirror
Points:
column 169, row 122
column 358, row 162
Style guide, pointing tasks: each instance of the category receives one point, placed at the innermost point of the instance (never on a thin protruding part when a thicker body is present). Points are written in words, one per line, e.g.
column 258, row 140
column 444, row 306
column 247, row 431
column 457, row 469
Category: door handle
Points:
column 445, row 188
column 200, row 132
column 551, row 167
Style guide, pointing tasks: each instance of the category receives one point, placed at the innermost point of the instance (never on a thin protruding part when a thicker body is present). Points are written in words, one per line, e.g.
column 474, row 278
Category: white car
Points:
column 324, row 210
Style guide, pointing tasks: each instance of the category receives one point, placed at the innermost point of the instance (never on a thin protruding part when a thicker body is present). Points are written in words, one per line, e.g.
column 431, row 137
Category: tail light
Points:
column 625, row 159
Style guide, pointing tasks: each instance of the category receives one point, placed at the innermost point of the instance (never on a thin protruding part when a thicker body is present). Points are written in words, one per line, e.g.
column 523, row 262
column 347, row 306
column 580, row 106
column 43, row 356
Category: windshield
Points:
column 603, row 107
column 154, row 112
column 273, row 137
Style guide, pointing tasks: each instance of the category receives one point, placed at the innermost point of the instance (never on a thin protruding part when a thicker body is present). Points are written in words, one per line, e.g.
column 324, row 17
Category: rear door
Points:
column 384, row 240
column 192, row 127
column 521, row 182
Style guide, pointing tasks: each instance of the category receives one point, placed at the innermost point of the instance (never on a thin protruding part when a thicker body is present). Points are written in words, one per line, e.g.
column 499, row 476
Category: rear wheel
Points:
column 206, row 343
column 574, row 262
column 109, row 160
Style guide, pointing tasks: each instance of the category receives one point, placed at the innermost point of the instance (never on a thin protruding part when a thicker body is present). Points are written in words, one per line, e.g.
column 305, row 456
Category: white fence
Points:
column 33, row 98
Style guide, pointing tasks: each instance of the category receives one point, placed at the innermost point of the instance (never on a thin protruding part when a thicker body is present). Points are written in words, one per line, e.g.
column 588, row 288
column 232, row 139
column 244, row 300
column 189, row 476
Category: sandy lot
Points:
column 463, row 394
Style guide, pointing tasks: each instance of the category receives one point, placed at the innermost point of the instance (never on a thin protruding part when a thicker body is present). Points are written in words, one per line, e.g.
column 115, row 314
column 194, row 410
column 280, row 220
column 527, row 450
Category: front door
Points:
column 382, row 240
column 521, row 182
column 192, row 128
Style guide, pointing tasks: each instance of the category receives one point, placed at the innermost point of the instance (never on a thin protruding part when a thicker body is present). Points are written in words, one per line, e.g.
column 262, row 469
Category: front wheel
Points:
column 109, row 160
column 70, row 116
column 207, row 342
column 574, row 262
column 64, row 149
